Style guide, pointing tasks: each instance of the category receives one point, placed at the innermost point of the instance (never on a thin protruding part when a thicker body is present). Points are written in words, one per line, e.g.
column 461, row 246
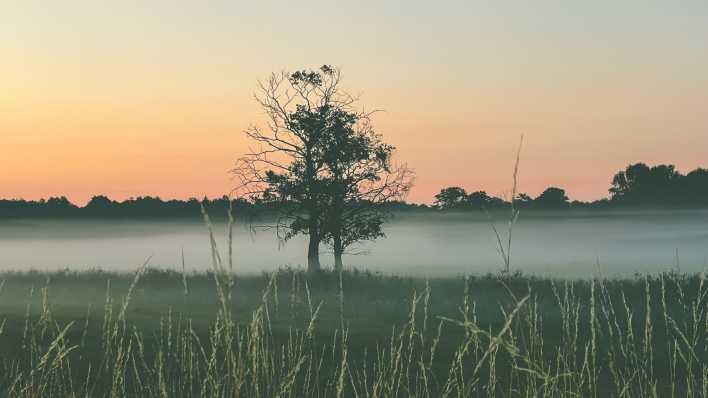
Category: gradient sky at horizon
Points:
column 137, row 98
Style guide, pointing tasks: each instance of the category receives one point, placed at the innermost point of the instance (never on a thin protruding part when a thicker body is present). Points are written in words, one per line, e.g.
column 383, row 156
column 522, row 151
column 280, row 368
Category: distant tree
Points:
column 628, row 183
column 641, row 184
column 663, row 180
column 60, row 207
column 479, row 200
column 456, row 198
column 693, row 188
column 451, row 198
column 100, row 206
column 551, row 198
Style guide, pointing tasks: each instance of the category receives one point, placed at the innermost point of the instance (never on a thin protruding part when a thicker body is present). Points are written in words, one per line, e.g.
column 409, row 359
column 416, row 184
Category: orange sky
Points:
column 133, row 100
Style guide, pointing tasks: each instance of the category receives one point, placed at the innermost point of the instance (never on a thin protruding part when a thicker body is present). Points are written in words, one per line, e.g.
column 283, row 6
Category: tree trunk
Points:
column 313, row 252
column 338, row 251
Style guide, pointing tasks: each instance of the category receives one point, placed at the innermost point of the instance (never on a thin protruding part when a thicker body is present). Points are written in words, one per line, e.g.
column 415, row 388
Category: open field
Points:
column 268, row 199
column 356, row 334
column 567, row 243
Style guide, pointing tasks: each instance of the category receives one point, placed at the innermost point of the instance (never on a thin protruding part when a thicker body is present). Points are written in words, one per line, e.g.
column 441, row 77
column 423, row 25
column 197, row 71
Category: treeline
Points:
column 660, row 185
column 150, row 207
column 456, row 198
column 141, row 207
column 637, row 186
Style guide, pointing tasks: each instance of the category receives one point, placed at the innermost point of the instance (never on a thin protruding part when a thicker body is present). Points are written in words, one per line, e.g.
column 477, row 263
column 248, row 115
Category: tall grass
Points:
column 304, row 337
column 535, row 337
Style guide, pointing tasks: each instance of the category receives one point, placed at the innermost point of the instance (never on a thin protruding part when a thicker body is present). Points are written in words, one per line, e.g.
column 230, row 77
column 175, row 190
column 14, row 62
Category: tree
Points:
column 479, row 200
column 552, row 198
column 628, row 183
column 320, row 161
column 100, row 206
column 694, row 188
column 60, row 207
column 456, row 198
column 641, row 184
column 288, row 165
column 362, row 181
column 451, row 198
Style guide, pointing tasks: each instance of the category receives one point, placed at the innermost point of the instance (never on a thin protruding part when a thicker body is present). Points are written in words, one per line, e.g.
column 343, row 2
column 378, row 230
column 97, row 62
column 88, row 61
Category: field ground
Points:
column 355, row 334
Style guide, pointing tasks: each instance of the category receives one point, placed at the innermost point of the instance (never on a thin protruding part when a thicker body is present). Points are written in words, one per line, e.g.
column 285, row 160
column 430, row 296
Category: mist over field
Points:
column 557, row 244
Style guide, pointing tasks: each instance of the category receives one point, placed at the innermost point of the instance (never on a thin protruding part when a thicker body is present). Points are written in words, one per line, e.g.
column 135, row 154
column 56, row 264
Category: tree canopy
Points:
column 660, row 185
column 321, row 161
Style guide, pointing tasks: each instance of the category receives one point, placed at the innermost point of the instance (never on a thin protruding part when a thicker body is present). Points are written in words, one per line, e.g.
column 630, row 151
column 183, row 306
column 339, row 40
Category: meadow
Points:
column 290, row 333
column 421, row 244
column 355, row 334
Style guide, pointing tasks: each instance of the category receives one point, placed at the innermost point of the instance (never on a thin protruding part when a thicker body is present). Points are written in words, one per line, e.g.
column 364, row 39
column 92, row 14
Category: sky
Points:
column 134, row 98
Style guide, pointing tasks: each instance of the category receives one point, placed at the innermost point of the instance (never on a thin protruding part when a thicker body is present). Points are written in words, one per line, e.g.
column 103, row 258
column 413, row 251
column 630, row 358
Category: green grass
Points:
column 356, row 334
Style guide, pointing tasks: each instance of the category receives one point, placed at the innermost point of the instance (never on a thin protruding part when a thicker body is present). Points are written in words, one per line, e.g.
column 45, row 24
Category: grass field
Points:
column 161, row 333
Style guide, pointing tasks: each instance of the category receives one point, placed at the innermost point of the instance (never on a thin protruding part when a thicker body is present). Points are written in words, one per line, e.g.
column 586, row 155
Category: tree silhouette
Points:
column 636, row 185
column 320, row 161
column 451, row 198
column 288, row 165
column 693, row 188
column 551, row 198
column 481, row 201
column 641, row 184
column 361, row 181
column 60, row 207
column 100, row 205
column 629, row 183
column 456, row 198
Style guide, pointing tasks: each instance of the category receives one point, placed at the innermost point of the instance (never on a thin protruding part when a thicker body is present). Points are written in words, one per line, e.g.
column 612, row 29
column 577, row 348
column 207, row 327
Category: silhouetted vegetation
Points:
column 637, row 186
column 147, row 207
column 361, row 334
column 660, row 185
column 456, row 198
column 321, row 162
column 142, row 207
column 552, row 198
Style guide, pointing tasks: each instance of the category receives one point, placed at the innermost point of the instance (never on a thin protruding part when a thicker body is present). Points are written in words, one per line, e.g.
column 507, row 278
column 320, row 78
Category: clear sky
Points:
column 129, row 98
